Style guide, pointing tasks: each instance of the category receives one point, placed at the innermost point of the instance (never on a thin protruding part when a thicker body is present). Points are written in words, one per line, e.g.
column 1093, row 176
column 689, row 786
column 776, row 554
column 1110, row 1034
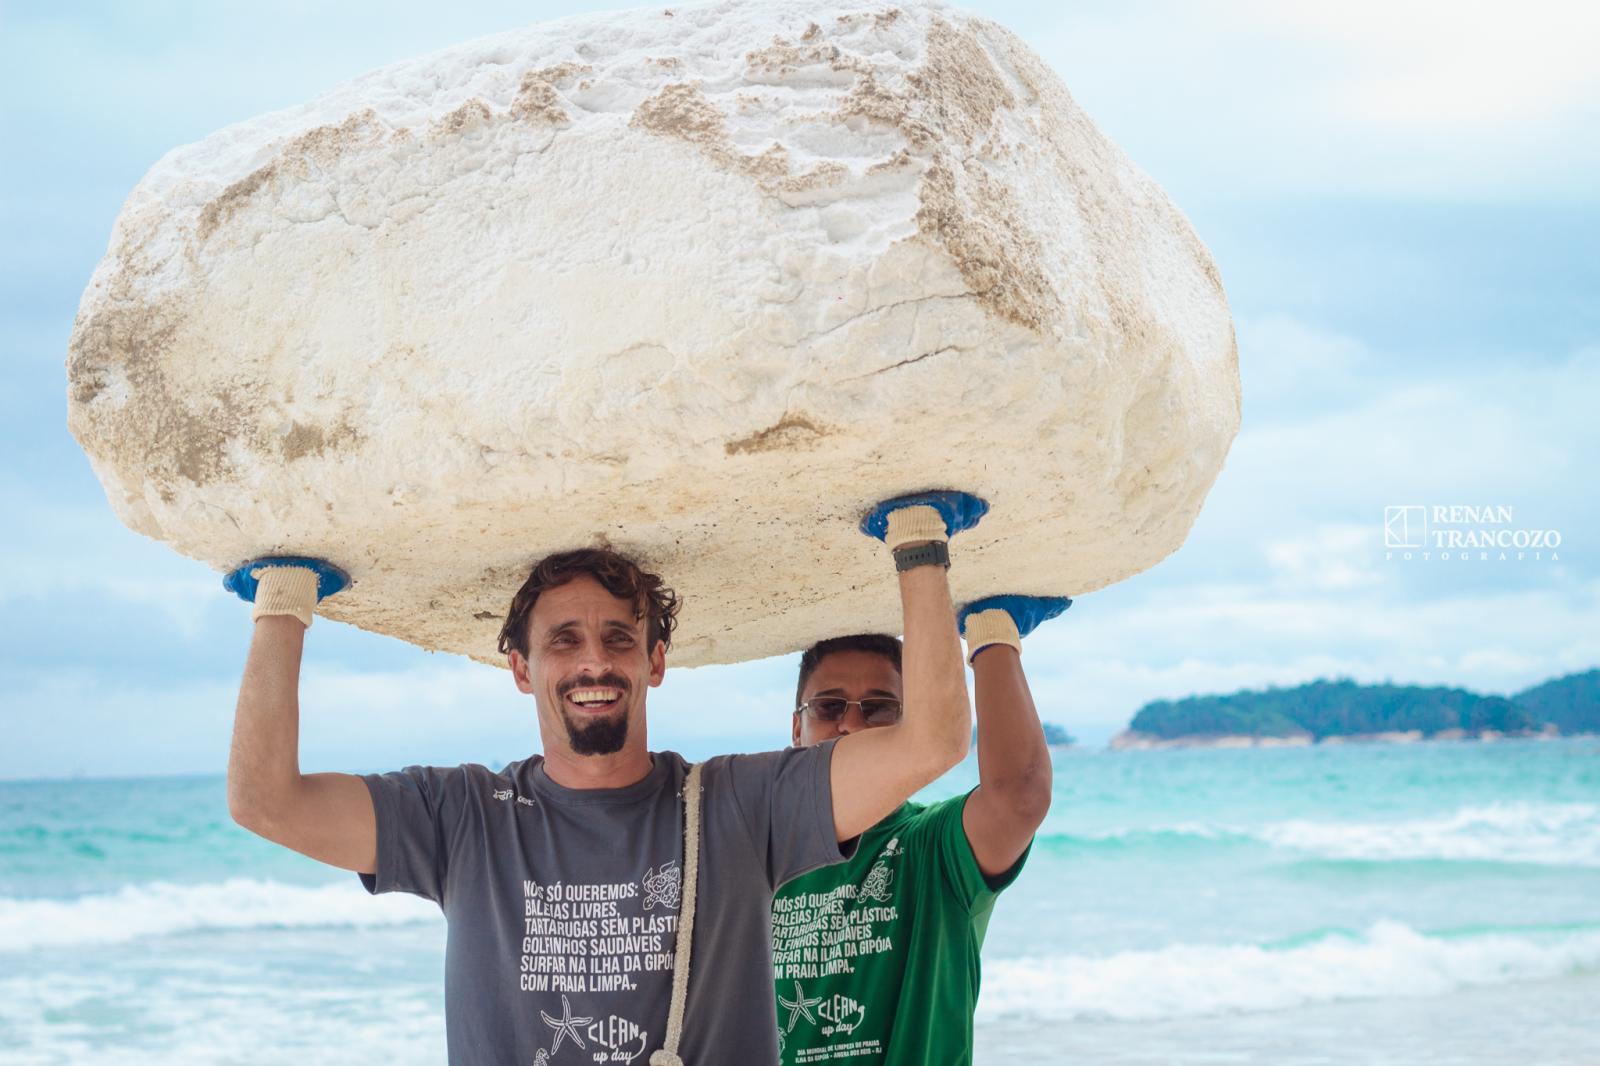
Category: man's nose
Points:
column 853, row 721
column 593, row 658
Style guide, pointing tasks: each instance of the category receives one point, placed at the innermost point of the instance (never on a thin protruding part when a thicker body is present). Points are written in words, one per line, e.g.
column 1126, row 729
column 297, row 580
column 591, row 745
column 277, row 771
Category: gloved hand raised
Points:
column 285, row 584
column 1005, row 619
column 923, row 516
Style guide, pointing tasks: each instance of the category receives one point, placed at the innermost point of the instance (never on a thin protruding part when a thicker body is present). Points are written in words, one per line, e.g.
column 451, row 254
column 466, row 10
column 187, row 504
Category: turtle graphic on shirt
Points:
column 876, row 884
column 662, row 885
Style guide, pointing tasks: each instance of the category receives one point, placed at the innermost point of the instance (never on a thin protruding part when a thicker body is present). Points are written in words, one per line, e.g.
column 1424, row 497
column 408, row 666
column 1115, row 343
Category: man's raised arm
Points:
column 876, row 770
column 1014, row 773
column 328, row 817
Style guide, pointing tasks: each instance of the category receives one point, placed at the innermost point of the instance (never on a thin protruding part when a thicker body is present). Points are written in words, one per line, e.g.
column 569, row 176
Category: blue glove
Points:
column 960, row 510
column 1025, row 611
column 1005, row 620
column 330, row 578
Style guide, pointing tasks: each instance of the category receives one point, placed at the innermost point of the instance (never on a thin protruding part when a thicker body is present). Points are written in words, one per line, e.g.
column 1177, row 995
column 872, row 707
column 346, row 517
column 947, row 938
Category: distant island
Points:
column 1571, row 703
column 1331, row 712
column 1054, row 735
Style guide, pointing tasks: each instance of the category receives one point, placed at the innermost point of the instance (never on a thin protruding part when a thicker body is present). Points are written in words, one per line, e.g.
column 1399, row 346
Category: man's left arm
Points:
column 1014, row 773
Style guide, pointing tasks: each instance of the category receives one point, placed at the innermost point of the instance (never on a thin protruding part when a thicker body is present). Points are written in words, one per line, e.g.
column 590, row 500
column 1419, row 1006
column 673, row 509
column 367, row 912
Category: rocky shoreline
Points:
column 1132, row 740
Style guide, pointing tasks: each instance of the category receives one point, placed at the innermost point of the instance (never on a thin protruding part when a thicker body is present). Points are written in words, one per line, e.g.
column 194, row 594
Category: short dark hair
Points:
column 875, row 643
column 617, row 574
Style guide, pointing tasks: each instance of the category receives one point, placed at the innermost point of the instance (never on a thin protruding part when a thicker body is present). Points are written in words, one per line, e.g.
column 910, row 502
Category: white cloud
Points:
column 1519, row 435
column 70, row 549
column 1288, row 366
column 1334, row 558
column 1467, row 64
column 1440, row 101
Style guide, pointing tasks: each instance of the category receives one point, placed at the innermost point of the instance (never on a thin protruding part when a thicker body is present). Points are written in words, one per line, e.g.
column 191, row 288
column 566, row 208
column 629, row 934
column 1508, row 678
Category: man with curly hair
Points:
column 568, row 878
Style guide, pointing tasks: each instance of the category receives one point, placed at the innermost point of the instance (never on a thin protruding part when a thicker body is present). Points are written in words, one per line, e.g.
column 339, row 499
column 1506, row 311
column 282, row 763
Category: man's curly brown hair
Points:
column 617, row 574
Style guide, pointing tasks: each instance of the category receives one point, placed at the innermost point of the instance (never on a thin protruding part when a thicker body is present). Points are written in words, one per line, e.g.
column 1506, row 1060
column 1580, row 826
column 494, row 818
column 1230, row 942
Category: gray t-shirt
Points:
column 562, row 904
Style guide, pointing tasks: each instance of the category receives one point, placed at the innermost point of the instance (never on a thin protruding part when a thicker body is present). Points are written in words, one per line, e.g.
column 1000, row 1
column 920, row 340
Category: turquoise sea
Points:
column 1425, row 903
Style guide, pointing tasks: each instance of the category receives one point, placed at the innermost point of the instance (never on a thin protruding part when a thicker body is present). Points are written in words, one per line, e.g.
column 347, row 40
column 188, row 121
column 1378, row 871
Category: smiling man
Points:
column 876, row 959
column 564, row 877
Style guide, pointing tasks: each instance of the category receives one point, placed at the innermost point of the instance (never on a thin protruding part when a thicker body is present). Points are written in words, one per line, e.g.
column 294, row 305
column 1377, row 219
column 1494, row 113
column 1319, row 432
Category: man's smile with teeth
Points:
column 592, row 696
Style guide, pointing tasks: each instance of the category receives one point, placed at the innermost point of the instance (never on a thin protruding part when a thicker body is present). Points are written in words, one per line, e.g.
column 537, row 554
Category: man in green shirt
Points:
column 876, row 959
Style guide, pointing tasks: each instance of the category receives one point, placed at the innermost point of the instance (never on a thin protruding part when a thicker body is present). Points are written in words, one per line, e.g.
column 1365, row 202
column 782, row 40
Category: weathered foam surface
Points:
column 701, row 283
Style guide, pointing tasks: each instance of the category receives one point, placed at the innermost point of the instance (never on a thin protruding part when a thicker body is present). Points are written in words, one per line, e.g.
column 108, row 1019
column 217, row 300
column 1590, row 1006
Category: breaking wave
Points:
column 1389, row 960
column 165, row 909
column 1546, row 834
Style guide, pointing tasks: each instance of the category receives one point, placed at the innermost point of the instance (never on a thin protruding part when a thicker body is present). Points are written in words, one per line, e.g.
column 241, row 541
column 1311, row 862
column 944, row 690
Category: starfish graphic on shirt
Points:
column 799, row 1006
column 566, row 1025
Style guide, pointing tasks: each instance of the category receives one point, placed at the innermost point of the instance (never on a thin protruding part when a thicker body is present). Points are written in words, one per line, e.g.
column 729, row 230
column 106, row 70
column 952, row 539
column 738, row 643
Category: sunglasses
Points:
column 875, row 710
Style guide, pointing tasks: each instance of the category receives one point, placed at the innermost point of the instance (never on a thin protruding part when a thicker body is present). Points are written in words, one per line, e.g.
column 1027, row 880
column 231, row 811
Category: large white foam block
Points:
column 700, row 283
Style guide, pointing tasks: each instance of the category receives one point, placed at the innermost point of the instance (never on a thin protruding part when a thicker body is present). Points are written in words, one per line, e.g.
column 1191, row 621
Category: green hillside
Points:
column 1056, row 736
column 1333, row 708
column 1572, row 703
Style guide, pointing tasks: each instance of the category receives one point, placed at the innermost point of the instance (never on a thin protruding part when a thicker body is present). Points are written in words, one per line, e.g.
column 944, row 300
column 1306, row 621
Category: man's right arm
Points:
column 328, row 817
column 875, row 770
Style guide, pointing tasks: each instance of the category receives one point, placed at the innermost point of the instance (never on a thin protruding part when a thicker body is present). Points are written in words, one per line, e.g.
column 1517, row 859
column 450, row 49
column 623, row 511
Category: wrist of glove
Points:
column 914, row 525
column 290, row 590
column 1005, row 619
column 985, row 629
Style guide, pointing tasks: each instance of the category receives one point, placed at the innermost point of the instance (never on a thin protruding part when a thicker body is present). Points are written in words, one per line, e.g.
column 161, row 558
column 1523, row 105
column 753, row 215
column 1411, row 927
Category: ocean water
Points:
column 1428, row 903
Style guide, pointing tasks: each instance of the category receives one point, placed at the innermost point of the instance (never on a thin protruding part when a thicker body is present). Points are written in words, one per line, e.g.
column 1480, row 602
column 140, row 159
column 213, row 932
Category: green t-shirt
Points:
column 876, row 959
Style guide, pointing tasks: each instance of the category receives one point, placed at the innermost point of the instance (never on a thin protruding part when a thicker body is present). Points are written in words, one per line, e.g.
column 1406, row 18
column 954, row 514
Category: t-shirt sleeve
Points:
column 947, row 836
column 786, row 801
column 417, row 809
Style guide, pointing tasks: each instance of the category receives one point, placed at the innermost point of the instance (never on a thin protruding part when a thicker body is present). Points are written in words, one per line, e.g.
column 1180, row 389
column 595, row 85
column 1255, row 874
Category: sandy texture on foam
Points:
column 701, row 283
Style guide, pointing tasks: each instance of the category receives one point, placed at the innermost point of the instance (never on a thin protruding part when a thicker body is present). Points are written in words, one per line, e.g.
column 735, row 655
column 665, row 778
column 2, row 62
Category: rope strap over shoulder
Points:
column 668, row 1054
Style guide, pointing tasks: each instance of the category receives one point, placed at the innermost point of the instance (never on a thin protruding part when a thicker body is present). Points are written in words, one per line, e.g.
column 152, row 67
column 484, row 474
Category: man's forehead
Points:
column 846, row 690
column 854, row 669
column 583, row 599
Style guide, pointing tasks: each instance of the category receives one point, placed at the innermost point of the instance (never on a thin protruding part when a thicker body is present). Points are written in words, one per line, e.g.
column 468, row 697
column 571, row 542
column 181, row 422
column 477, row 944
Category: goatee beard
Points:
column 604, row 737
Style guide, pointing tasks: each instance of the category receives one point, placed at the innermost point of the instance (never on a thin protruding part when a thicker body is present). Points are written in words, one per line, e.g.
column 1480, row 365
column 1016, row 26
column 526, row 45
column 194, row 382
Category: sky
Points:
column 1403, row 200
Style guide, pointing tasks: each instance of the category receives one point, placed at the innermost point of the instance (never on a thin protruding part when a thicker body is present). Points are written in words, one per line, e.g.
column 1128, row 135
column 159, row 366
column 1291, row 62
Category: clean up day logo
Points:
column 1464, row 533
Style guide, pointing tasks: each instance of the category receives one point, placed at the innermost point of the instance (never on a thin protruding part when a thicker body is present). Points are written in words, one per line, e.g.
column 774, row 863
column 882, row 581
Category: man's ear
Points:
column 520, row 671
column 794, row 731
column 658, row 663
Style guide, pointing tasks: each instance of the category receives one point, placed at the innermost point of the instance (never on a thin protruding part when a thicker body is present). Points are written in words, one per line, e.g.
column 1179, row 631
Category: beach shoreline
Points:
column 1131, row 740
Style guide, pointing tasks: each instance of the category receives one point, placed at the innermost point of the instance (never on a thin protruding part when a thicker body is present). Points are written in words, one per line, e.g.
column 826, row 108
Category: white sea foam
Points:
column 1546, row 834
column 162, row 909
column 189, row 1019
column 1183, row 980
column 1552, row 834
